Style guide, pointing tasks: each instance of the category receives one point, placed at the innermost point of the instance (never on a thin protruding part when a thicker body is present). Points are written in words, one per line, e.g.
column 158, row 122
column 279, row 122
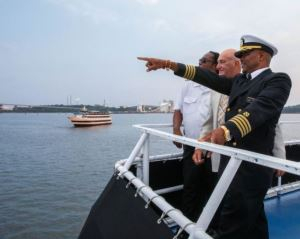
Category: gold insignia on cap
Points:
column 242, row 42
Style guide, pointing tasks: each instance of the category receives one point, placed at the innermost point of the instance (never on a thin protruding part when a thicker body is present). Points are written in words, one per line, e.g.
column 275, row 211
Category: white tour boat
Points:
column 90, row 118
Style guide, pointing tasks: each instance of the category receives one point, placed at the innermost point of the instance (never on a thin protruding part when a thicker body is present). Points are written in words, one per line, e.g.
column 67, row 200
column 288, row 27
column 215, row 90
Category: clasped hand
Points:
column 216, row 137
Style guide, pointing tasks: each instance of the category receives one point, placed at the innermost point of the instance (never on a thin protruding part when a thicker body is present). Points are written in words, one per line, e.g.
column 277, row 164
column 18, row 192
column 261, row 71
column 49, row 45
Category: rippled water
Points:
column 51, row 173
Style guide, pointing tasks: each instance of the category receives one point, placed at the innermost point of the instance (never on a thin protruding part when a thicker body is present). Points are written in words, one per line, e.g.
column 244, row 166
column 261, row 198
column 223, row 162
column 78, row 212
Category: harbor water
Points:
column 51, row 173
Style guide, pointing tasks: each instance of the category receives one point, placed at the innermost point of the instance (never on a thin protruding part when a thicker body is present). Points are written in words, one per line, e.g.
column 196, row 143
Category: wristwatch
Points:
column 227, row 134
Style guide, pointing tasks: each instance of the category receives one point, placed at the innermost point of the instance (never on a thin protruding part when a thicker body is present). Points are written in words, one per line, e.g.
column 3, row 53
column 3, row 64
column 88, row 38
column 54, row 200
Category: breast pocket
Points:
column 245, row 101
column 190, row 105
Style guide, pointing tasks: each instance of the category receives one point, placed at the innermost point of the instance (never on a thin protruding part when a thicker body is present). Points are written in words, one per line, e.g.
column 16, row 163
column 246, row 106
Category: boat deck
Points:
column 283, row 216
column 156, row 184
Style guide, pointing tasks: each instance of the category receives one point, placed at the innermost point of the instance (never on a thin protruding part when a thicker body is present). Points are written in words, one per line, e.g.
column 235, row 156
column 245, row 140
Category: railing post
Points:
column 279, row 184
column 146, row 160
column 216, row 197
column 136, row 150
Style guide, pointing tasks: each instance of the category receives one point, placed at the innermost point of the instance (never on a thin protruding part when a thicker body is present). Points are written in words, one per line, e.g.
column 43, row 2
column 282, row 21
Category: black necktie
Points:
column 248, row 76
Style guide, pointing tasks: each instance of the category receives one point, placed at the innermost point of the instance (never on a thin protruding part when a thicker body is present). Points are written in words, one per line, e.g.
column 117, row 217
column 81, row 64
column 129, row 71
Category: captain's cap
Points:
column 250, row 42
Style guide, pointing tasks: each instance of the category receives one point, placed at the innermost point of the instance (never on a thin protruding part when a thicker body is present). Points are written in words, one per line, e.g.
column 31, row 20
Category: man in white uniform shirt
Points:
column 192, row 110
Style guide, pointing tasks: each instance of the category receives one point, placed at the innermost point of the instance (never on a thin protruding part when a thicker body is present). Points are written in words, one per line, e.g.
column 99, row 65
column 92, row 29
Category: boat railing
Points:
column 196, row 230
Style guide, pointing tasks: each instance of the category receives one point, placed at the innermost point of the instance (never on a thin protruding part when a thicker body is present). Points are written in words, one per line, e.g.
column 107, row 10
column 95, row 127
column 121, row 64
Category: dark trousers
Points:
column 242, row 215
column 198, row 184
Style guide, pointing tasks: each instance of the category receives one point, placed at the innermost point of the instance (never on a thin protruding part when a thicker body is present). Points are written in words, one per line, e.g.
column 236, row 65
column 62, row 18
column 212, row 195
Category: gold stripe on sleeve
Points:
column 243, row 123
column 193, row 73
column 247, row 122
column 238, row 125
column 190, row 72
column 187, row 70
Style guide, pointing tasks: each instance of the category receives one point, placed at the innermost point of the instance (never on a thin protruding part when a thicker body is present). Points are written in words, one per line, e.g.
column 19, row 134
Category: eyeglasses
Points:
column 204, row 60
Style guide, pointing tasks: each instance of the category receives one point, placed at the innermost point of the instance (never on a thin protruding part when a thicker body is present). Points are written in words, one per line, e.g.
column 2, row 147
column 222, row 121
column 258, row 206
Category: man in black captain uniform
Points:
column 256, row 99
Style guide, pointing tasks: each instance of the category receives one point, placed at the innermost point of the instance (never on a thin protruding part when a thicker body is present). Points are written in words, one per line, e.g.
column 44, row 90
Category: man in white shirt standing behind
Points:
column 193, row 109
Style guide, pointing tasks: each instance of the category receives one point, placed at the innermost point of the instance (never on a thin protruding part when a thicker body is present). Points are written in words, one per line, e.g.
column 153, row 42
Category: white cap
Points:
column 250, row 42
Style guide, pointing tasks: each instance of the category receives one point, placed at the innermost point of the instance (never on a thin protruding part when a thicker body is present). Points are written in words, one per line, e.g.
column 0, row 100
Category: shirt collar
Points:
column 257, row 72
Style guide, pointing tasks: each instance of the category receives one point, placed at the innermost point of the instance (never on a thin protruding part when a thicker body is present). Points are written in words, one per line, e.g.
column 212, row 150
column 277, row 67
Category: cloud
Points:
column 87, row 9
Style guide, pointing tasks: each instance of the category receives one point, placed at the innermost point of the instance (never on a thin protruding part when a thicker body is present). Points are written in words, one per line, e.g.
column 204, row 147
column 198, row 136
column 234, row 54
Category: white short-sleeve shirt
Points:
column 194, row 104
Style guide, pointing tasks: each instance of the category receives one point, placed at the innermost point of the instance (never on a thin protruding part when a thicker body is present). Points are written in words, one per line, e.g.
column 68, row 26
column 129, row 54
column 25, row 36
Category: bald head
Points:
column 228, row 65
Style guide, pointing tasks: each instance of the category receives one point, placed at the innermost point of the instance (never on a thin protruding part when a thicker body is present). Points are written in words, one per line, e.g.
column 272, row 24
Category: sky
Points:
column 54, row 50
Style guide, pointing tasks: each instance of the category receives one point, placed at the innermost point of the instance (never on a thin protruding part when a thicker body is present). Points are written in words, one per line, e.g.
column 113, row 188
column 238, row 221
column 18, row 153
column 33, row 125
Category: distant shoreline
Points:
column 79, row 108
column 116, row 112
column 147, row 109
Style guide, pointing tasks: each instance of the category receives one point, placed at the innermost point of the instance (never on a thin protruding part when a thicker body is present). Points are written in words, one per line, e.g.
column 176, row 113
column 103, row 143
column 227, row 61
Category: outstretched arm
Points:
column 189, row 72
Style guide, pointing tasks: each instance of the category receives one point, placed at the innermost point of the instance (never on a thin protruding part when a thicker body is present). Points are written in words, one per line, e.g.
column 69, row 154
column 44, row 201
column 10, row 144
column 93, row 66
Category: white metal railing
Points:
column 196, row 231
column 261, row 159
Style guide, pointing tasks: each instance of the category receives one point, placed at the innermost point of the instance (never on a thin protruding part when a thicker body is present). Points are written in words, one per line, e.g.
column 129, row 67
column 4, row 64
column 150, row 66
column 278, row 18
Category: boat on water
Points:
column 143, row 197
column 90, row 118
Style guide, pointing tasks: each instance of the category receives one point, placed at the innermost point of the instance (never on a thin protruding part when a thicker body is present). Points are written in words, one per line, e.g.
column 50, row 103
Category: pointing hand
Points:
column 153, row 64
